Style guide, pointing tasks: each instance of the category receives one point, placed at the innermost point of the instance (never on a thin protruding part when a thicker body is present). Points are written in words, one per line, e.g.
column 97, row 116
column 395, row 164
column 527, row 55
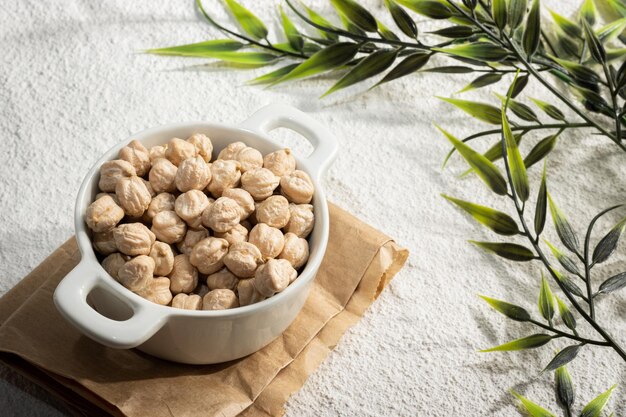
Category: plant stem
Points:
column 529, row 128
column 568, row 335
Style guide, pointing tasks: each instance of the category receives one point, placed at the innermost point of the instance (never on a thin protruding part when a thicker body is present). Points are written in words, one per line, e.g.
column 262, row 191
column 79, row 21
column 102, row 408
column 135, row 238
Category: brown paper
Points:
column 359, row 262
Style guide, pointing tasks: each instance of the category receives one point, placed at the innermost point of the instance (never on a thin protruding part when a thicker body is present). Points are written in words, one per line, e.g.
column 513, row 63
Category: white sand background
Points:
column 73, row 84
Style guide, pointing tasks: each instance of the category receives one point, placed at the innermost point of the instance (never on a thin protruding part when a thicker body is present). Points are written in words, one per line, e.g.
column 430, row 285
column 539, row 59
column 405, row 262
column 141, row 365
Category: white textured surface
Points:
column 73, row 84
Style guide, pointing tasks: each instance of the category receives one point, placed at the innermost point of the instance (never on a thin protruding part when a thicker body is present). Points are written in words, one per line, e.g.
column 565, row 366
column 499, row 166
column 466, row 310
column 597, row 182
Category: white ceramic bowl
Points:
column 116, row 317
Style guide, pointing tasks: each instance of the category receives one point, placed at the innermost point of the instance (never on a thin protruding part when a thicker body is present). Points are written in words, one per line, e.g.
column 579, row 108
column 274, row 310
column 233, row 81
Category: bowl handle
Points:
column 278, row 115
column 70, row 298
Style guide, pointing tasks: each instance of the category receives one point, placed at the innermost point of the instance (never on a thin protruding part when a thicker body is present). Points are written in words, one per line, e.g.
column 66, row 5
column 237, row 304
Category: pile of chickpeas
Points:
column 182, row 230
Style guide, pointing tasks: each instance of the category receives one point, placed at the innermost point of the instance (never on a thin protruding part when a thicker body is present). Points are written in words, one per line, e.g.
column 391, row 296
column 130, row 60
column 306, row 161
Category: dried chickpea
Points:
column 203, row 145
column 113, row 263
column 162, row 176
column 243, row 259
column 104, row 242
column 193, row 174
column 178, row 150
column 231, row 150
column 268, row 239
column 249, row 158
column 224, row 175
column 133, row 196
column 296, row 250
column 190, row 205
column 168, row 227
column 220, row 300
column 222, row 279
column 260, row 183
column 187, row 302
column 248, row 293
column 208, row 254
column 274, row 211
column 297, row 187
column 157, row 290
column 157, row 152
column 222, row 215
column 137, row 155
column 184, row 276
column 301, row 220
column 136, row 273
column 274, row 276
column 112, row 195
column 112, row 171
column 133, row 239
column 280, row 162
column 163, row 257
column 192, row 237
column 236, row 234
column 149, row 187
column 103, row 214
column 243, row 198
column 161, row 202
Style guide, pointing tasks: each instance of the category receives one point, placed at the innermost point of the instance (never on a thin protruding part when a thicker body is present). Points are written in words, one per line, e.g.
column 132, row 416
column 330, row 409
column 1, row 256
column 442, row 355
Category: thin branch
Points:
column 568, row 335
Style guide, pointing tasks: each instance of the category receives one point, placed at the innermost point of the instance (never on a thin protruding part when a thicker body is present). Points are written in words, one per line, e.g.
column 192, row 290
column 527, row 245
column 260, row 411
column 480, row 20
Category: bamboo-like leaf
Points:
column 568, row 27
column 487, row 171
column 428, row 8
column 386, row 33
column 356, row 14
column 562, row 226
column 273, row 76
column 494, row 153
column 613, row 54
column 540, row 150
column 499, row 12
column 531, row 408
column 402, row 19
column 407, row 66
column 482, row 51
column 608, row 243
column 454, row 32
column 517, row 86
column 329, row 58
column 512, row 311
column 199, row 49
column 238, row 57
column 549, row 109
column 482, row 111
column 532, row 32
column 564, row 387
column 588, row 12
column 578, row 71
column 540, row 208
column 612, row 30
column 517, row 11
column 248, row 21
column 529, row 342
column 565, row 261
column 495, row 220
column 450, row 69
column 372, row 65
column 615, row 283
column 514, row 159
column 511, row 251
column 482, row 81
column 562, row 358
column 546, row 300
column 569, row 285
column 520, row 109
column 593, row 43
column 595, row 407
column 321, row 21
column 291, row 32
column 566, row 315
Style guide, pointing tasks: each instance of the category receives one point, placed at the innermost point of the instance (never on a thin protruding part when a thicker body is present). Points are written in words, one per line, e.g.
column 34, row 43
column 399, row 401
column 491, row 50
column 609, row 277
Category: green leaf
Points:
column 563, row 259
column 564, row 387
column 402, row 19
column 529, row 342
column 482, row 51
column 386, row 33
column 511, row 251
column 540, row 209
column 499, row 12
column 569, row 285
column 568, row 27
column 615, row 283
column 517, row 86
column 562, row 226
column 357, row 14
column 199, row 49
column 428, row 8
column 607, row 245
column 494, row 153
column 293, row 36
column 482, row 111
column 321, row 21
column 532, row 32
column 249, row 22
column 520, row 109
column 495, row 220
column 370, row 66
column 517, row 11
column 272, row 77
column 566, row 314
column 549, row 109
column 454, row 32
column 578, row 71
column 512, row 311
column 612, row 30
column 562, row 358
column 514, row 158
column 328, row 58
column 450, row 69
column 487, row 171
column 541, row 150
column 595, row 407
column 407, row 66
column 531, row 408
column 588, row 12
column 482, row 81
column 546, row 300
